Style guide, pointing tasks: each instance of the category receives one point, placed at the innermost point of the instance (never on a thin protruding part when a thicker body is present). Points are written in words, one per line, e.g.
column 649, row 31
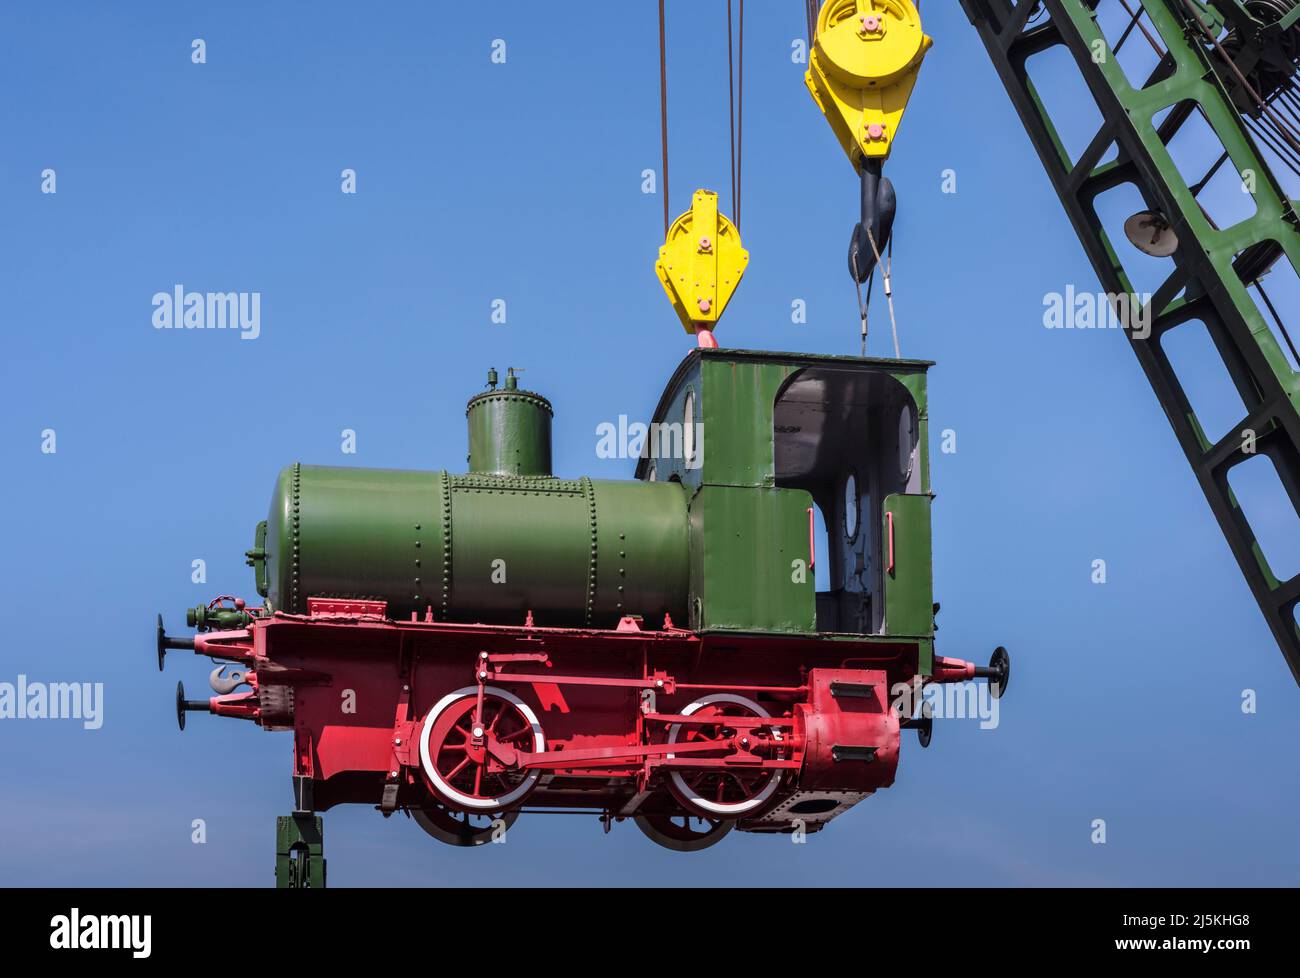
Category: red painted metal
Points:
column 664, row 684
column 659, row 722
column 952, row 670
column 852, row 740
column 889, row 519
column 346, row 606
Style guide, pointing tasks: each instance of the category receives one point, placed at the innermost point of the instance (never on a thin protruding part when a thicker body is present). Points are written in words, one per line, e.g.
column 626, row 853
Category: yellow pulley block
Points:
column 701, row 263
column 863, row 66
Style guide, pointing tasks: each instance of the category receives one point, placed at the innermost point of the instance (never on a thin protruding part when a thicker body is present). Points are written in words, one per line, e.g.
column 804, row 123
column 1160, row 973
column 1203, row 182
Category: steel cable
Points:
column 663, row 114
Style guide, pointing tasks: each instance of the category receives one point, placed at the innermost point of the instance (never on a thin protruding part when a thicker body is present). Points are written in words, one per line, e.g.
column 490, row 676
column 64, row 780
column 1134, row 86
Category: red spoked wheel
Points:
column 720, row 792
column 471, row 776
column 683, row 832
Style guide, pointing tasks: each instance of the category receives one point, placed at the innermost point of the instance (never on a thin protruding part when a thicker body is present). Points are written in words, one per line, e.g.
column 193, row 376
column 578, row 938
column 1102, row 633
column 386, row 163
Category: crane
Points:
column 1231, row 63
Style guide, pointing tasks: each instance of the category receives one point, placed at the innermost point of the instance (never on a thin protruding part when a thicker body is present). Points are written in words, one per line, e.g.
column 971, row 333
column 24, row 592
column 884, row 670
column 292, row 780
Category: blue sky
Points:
column 522, row 181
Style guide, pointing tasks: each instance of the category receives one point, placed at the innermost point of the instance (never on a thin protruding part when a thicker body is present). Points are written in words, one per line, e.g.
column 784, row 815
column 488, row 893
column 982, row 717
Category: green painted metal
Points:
column 1213, row 267
column 478, row 547
column 509, row 430
column 256, row 558
column 356, row 533
column 717, row 531
column 909, row 593
column 299, row 852
column 738, row 397
column 571, row 551
column 203, row 618
column 750, row 560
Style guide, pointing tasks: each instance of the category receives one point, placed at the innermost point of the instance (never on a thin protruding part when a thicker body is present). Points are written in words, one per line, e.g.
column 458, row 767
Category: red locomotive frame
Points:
column 690, row 734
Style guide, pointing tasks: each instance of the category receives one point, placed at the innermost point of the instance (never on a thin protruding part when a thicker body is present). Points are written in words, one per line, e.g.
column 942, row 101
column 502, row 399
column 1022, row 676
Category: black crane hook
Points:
column 879, row 205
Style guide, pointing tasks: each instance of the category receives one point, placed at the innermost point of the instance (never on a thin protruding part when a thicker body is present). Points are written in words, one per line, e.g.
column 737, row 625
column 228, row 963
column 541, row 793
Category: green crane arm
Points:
column 1212, row 267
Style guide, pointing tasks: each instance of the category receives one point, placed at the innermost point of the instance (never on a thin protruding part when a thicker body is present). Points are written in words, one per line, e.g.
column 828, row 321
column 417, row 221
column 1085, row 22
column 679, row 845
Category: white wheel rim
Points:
column 459, row 797
column 725, row 809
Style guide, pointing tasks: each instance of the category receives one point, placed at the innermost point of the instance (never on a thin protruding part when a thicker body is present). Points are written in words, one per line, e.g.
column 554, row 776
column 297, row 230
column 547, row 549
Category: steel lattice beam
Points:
column 1207, row 283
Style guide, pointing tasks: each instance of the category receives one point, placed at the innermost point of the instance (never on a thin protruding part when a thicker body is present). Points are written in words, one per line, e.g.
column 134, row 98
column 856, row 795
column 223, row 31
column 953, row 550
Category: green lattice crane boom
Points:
column 1234, row 61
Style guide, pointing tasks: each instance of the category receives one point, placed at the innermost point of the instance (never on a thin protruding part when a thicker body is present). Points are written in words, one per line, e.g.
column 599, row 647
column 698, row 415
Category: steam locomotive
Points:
column 464, row 648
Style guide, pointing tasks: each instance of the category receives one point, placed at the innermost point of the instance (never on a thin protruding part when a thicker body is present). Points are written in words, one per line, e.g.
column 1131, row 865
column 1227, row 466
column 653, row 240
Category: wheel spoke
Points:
column 458, row 768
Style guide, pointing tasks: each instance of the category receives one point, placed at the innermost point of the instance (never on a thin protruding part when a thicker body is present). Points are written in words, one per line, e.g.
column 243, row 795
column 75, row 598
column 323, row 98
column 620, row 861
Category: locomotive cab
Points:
column 850, row 438
column 769, row 438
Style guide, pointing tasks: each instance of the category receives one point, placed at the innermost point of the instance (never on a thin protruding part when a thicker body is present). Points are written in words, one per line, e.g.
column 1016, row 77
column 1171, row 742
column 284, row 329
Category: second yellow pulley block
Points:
column 862, row 70
column 701, row 263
